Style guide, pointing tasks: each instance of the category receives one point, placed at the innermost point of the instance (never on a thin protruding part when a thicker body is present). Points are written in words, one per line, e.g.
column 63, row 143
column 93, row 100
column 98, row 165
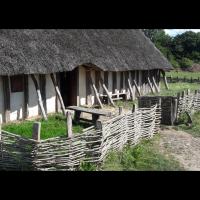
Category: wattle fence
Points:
column 91, row 146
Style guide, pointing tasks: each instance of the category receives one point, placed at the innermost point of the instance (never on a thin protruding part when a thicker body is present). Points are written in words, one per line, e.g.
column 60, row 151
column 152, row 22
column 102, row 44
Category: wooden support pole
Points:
column 155, row 85
column 58, row 94
column 133, row 109
column 39, row 96
column 26, row 97
column 36, row 131
column 69, row 124
column 130, row 89
column 120, row 110
column 98, row 125
column 107, row 92
column 149, row 83
column 6, row 98
column 137, row 89
column 165, row 80
column 95, row 90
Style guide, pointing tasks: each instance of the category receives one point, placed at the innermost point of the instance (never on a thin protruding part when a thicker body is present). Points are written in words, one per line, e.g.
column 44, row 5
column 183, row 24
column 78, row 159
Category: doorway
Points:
column 69, row 87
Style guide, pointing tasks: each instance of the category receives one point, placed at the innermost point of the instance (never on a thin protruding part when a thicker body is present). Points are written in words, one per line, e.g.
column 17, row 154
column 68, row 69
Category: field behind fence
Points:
column 92, row 146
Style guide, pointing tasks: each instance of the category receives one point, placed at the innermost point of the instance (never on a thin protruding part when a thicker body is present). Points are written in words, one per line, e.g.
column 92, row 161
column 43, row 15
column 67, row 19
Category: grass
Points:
column 143, row 157
column 182, row 74
column 55, row 126
column 126, row 104
column 194, row 129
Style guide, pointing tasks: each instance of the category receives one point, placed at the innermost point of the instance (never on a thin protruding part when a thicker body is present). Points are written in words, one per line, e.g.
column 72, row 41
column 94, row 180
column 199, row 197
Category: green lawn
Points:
column 143, row 157
column 55, row 126
column 182, row 74
column 174, row 88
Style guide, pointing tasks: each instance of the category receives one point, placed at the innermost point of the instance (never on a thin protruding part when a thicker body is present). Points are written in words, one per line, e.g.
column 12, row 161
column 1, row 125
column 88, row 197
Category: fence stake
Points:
column 183, row 94
column 133, row 109
column 36, row 131
column 98, row 125
column 120, row 110
column 69, row 124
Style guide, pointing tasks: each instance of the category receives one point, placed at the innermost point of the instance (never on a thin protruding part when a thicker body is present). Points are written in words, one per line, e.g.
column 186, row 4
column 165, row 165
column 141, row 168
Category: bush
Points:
column 185, row 63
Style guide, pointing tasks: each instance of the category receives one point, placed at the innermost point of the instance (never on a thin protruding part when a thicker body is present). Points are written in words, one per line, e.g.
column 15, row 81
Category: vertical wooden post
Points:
column 69, row 124
column 26, row 97
column 42, row 86
column 39, row 96
column 133, row 109
column 58, row 93
column 36, row 131
column 120, row 110
column 99, row 125
column 88, row 89
column 131, row 89
column 6, row 95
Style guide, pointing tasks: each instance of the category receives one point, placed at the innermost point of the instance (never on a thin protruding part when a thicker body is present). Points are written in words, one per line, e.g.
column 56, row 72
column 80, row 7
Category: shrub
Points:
column 186, row 63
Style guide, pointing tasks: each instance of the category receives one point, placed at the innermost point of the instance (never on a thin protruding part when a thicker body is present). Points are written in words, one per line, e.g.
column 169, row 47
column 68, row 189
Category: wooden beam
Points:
column 155, row 85
column 42, row 85
column 149, row 83
column 107, row 92
column 88, row 89
column 36, row 131
column 58, row 94
column 69, row 124
column 165, row 80
column 137, row 89
column 26, row 97
column 95, row 90
column 6, row 95
column 121, row 81
column 39, row 96
column 131, row 89
column 114, row 81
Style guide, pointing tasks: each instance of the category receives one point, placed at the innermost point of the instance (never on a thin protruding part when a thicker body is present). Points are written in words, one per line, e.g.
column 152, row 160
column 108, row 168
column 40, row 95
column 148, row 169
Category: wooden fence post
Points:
column 98, row 125
column 36, row 131
column 133, row 108
column 69, row 124
column 120, row 110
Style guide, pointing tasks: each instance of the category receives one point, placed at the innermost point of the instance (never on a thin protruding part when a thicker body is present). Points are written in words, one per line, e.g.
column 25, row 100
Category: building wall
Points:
column 50, row 95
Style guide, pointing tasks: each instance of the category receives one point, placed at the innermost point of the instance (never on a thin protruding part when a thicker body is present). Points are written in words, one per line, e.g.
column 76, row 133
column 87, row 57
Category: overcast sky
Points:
column 174, row 32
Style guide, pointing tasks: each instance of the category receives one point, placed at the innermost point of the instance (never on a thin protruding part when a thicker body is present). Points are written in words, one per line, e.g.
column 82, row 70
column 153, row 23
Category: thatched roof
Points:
column 46, row 51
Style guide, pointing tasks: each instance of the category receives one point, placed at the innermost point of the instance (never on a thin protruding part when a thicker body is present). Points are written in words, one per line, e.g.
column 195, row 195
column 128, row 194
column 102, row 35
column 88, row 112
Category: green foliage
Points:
column 87, row 167
column 182, row 50
column 182, row 74
column 53, row 127
column 185, row 63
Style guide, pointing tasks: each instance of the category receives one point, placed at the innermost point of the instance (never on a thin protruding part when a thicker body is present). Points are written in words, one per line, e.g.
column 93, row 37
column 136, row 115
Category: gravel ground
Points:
column 183, row 147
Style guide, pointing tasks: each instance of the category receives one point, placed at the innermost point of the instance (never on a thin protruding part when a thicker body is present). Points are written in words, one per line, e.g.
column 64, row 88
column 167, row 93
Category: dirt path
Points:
column 183, row 147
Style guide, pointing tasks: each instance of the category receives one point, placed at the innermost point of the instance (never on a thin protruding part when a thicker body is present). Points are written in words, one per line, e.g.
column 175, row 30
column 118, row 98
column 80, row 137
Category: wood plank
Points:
column 155, row 85
column 57, row 106
column 130, row 89
column 107, row 92
column 149, row 83
column 97, row 77
column 89, row 110
column 69, row 124
column 26, row 97
column 114, row 81
column 58, row 94
column 39, row 96
column 42, row 85
column 88, row 89
column 6, row 98
column 137, row 89
column 165, row 80
column 121, row 81
column 95, row 90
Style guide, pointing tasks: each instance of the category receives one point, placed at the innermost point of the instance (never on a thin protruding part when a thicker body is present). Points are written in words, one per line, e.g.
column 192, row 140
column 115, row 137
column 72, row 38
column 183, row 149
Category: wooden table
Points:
column 96, row 113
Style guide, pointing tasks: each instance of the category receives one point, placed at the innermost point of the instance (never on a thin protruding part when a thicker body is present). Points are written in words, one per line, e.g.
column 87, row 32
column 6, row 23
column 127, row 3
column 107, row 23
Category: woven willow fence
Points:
column 189, row 102
column 93, row 145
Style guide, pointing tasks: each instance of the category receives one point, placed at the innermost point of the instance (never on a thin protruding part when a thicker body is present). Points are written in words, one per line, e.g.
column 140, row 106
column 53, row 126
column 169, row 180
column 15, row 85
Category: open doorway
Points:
column 68, row 87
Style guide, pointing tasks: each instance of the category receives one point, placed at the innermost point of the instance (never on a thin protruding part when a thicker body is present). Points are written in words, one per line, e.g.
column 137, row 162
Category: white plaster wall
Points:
column 16, row 105
column 82, row 86
column 50, row 95
column 33, row 99
column 118, row 82
column 1, row 99
column 124, row 85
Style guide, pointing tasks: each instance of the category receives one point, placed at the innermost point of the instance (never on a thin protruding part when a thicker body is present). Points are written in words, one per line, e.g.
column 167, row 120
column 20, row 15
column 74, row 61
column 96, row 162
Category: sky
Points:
column 174, row 32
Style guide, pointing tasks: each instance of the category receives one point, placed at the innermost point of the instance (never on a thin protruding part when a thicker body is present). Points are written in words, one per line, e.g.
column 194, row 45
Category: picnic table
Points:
column 96, row 113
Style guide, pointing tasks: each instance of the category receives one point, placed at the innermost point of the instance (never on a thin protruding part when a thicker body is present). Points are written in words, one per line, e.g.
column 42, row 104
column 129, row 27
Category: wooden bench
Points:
column 96, row 113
